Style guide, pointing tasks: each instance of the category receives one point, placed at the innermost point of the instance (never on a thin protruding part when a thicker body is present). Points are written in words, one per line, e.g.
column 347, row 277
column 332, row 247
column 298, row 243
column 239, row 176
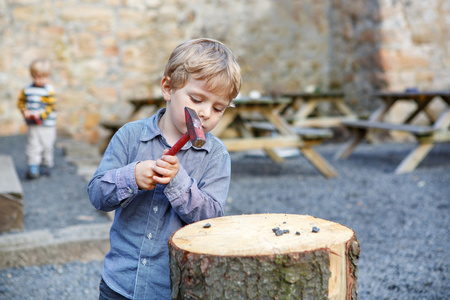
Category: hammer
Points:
column 194, row 132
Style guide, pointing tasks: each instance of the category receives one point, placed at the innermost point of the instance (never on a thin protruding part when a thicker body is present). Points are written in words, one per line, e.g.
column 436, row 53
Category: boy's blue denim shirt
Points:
column 137, row 266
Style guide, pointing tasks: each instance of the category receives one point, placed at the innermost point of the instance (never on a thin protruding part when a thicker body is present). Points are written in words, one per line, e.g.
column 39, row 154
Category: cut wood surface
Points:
column 242, row 257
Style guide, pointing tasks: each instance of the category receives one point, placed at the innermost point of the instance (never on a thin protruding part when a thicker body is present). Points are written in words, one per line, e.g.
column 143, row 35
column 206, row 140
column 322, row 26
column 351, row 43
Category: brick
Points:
column 91, row 120
column 33, row 14
column 109, row 46
column 51, row 33
column 132, row 55
column 87, row 13
column 133, row 16
column 84, row 44
column 400, row 60
column 105, row 94
column 409, row 61
column 128, row 34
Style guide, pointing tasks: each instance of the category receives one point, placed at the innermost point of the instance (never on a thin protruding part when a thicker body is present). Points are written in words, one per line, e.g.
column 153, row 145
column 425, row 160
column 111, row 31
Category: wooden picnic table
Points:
column 263, row 114
column 152, row 105
column 313, row 109
column 438, row 129
column 248, row 117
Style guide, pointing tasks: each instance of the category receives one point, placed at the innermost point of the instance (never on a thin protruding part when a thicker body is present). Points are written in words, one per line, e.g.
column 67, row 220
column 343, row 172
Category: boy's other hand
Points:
column 144, row 174
column 27, row 114
column 167, row 167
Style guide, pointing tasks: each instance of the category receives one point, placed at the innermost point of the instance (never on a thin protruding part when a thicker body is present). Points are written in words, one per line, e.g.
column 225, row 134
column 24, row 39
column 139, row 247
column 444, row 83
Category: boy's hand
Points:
column 167, row 167
column 149, row 173
column 143, row 174
column 26, row 114
column 32, row 117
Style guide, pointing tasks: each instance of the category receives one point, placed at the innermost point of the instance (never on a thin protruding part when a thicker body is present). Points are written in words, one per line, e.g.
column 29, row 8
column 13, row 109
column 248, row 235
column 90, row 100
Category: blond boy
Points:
column 154, row 194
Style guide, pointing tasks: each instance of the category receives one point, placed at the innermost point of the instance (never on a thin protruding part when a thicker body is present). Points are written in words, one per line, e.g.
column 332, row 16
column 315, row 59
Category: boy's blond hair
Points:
column 204, row 59
column 40, row 66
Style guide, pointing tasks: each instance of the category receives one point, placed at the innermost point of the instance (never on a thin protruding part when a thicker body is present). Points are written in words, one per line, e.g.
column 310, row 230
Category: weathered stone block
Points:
column 84, row 44
column 106, row 94
column 87, row 13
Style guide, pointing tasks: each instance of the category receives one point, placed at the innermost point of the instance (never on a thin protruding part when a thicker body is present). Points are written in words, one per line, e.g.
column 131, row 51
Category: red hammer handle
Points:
column 179, row 144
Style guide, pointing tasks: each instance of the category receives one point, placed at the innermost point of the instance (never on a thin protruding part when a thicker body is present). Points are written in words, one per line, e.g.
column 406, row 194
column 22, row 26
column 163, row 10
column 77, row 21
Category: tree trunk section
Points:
column 245, row 257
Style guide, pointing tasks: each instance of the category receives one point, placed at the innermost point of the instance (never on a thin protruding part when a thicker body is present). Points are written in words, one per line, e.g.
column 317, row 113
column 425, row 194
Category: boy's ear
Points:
column 165, row 88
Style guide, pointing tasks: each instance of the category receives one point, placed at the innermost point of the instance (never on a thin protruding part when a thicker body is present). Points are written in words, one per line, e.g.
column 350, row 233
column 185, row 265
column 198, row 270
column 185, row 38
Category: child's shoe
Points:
column 33, row 172
column 44, row 170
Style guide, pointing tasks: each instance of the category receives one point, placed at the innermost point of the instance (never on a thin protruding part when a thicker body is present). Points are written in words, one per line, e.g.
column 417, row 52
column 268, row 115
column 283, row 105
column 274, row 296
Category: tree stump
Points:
column 264, row 256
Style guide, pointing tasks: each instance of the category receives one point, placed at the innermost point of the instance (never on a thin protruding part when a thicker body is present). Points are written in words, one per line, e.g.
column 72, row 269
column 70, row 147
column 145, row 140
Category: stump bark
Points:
column 246, row 257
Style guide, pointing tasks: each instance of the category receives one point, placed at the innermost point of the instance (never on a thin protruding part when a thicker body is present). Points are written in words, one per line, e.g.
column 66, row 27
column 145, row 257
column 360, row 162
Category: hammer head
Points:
column 194, row 128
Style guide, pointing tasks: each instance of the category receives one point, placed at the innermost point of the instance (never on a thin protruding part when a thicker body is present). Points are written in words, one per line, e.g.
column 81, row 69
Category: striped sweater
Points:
column 41, row 101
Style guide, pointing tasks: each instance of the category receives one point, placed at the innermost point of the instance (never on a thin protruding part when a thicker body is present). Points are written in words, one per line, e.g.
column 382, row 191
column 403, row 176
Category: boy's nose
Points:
column 204, row 113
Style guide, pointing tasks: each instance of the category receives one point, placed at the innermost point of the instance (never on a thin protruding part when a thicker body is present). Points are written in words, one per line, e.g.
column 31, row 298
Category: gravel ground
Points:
column 401, row 221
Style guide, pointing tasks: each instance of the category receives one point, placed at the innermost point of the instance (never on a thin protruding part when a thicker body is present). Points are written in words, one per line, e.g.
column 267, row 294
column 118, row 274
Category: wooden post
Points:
column 245, row 257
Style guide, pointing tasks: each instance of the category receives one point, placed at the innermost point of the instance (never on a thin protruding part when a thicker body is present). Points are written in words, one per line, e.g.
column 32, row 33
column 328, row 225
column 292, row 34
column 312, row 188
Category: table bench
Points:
column 306, row 133
column 418, row 130
column 111, row 127
column 154, row 104
column 11, row 203
column 310, row 137
column 426, row 135
column 305, row 109
column 252, row 115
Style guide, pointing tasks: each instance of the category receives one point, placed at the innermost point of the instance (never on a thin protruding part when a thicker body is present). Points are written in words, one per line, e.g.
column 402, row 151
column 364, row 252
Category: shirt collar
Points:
column 151, row 130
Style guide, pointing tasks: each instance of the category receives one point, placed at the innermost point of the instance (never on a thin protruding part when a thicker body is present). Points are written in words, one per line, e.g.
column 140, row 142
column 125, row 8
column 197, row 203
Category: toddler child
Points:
column 37, row 104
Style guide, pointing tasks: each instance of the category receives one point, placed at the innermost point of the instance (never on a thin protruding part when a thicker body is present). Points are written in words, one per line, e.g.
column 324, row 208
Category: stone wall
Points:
column 107, row 51
column 389, row 44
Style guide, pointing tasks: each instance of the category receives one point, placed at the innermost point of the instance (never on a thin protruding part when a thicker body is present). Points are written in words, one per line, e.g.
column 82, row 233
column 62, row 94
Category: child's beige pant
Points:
column 40, row 143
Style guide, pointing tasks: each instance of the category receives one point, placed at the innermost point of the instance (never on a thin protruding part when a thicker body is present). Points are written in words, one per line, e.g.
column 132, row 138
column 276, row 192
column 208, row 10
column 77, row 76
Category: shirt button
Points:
column 144, row 261
column 149, row 236
column 155, row 209
column 129, row 190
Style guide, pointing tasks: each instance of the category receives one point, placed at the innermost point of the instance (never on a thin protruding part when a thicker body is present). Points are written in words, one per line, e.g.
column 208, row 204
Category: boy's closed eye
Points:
column 198, row 101
column 219, row 109
column 195, row 100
